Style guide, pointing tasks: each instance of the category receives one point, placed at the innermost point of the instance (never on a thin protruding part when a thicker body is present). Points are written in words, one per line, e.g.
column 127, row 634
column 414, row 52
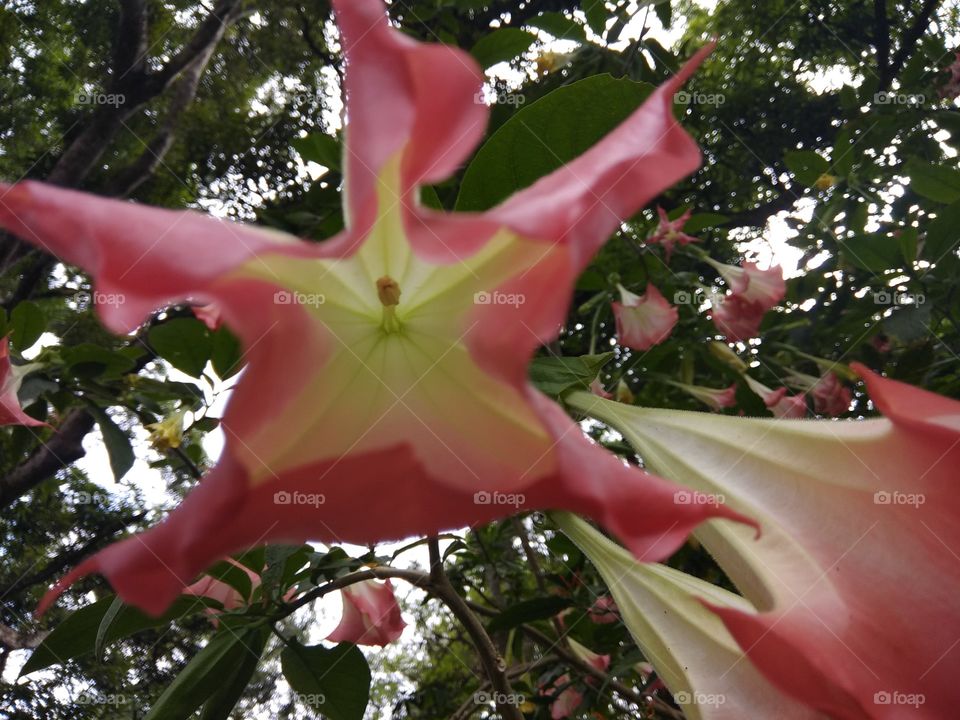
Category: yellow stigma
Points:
column 389, row 293
column 826, row 181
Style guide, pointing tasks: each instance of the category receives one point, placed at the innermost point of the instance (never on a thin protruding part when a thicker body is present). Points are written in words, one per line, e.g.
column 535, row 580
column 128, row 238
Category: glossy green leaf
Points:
column 502, row 45
column 545, row 135
column 556, row 376
column 806, row 166
column 183, row 342
column 76, row 636
column 935, row 182
column 27, row 323
column 117, row 442
column 335, row 682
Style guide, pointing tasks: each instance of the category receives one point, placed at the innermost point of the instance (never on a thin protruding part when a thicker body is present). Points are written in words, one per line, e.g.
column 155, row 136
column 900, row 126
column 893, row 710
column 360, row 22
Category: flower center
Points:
column 388, row 290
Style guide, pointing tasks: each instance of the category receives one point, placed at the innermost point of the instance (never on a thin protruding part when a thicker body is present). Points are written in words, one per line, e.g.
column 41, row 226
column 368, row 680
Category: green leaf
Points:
column 116, row 440
column 664, row 12
column 320, row 148
column 89, row 361
column 27, row 323
column 545, row 135
column 701, row 221
column 76, row 636
column 560, row 26
column 935, row 182
column 184, row 343
column 207, row 673
column 596, row 13
column 873, row 252
column 528, row 611
column 556, row 376
column 233, row 684
column 335, row 681
column 806, row 166
column 943, row 233
column 105, row 623
column 226, row 353
column 909, row 323
column 502, row 45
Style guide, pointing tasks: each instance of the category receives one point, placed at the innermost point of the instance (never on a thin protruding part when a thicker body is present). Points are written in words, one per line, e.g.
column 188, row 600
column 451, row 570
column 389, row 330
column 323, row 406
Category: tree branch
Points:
column 63, row 448
column 910, row 38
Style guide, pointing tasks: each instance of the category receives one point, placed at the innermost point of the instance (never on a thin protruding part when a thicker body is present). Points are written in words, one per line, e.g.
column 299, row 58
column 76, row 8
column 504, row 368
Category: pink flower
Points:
column 670, row 233
column 10, row 379
column 604, row 609
column 763, row 287
column 781, row 405
column 371, row 615
column 374, row 374
column 643, row 320
column 209, row 315
column 225, row 594
column 596, row 387
column 752, row 293
column 567, row 701
column 715, row 399
column 855, row 576
column 951, row 89
column 830, row 396
column 737, row 319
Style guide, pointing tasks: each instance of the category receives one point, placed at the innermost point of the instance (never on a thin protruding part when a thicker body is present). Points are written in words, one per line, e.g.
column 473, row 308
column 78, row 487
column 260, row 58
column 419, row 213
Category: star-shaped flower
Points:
column 385, row 393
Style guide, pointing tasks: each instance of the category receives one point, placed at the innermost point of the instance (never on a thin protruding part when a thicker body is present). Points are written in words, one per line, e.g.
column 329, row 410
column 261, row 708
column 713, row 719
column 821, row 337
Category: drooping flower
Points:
column 11, row 377
column 737, row 319
column 386, row 390
column 596, row 387
column 780, row 404
column 752, row 293
column 951, row 89
column 209, row 315
column 670, row 233
column 371, row 615
column 855, row 575
column 830, row 396
column 604, row 610
column 764, row 287
column 643, row 320
column 222, row 592
column 725, row 354
column 567, row 701
column 600, row 662
column 692, row 652
column 716, row 399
